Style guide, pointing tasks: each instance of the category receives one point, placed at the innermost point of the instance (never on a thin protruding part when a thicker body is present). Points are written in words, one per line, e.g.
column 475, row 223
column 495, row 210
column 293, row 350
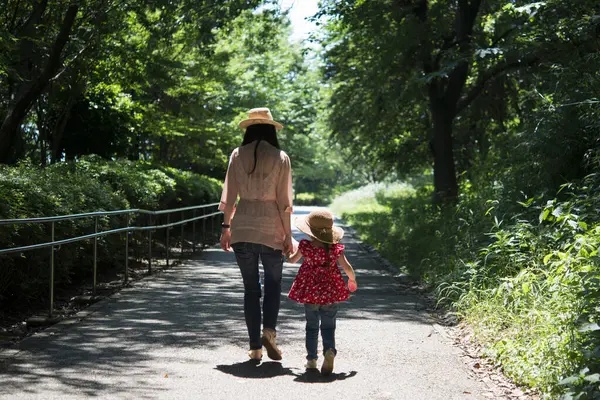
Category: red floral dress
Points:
column 319, row 280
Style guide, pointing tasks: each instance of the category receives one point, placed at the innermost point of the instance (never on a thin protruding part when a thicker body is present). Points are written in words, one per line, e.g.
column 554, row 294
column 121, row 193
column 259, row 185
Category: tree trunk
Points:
column 163, row 150
column 445, row 93
column 444, row 171
column 57, row 133
column 42, row 138
column 43, row 153
column 18, row 110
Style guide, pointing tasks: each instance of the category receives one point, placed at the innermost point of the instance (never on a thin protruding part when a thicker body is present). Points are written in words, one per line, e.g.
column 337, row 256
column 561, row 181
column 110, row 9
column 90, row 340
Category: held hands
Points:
column 226, row 240
column 288, row 245
column 352, row 286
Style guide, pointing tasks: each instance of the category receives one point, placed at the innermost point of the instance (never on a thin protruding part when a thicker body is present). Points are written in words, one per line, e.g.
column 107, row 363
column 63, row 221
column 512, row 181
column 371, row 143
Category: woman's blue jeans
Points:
column 327, row 315
column 247, row 256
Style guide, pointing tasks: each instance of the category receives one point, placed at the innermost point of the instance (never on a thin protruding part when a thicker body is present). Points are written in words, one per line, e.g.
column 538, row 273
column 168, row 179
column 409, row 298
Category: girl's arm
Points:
column 347, row 269
column 295, row 257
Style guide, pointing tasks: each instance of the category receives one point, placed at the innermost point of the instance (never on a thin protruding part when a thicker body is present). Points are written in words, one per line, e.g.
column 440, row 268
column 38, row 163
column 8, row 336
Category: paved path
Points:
column 181, row 335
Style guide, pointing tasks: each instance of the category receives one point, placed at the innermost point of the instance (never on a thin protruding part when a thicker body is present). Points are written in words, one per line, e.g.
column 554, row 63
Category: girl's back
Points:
column 319, row 280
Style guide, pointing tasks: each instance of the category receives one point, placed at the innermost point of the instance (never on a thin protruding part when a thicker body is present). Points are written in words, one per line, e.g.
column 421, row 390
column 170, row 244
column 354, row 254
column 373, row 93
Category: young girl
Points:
column 319, row 283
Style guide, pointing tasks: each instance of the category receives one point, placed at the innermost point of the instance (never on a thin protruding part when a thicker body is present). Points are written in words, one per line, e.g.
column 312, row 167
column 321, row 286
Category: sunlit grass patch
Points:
column 370, row 198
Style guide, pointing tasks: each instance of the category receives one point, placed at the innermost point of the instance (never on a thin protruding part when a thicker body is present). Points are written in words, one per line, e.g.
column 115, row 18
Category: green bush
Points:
column 142, row 185
column 191, row 188
column 91, row 184
column 304, row 199
column 523, row 275
column 310, row 199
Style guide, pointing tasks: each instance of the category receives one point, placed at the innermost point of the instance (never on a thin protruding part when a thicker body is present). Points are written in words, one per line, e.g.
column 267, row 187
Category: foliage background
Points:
column 460, row 137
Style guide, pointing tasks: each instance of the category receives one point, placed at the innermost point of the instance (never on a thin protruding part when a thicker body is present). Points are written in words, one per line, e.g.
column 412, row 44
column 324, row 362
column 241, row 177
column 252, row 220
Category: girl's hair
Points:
column 257, row 133
column 326, row 247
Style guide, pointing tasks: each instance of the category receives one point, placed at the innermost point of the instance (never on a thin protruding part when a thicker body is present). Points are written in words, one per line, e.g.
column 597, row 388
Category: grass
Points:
column 365, row 198
column 368, row 210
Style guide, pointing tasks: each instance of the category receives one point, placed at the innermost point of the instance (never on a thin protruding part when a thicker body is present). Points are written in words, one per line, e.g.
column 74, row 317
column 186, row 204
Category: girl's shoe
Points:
column 327, row 367
column 268, row 340
column 311, row 364
column 255, row 354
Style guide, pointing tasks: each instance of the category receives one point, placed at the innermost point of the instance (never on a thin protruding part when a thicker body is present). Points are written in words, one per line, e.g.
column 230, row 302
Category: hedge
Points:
column 91, row 184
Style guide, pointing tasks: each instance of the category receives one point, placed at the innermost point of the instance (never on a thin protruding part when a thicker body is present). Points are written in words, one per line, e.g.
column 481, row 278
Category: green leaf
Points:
column 557, row 212
column 593, row 378
column 568, row 381
column 544, row 214
column 572, row 224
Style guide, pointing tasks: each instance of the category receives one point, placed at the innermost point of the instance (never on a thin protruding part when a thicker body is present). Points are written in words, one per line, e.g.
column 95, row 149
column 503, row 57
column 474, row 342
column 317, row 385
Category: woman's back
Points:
column 259, row 181
column 265, row 192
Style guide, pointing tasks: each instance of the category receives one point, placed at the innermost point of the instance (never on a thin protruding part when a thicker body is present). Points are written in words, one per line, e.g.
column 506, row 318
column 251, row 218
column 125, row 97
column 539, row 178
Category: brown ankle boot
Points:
column 327, row 367
column 268, row 340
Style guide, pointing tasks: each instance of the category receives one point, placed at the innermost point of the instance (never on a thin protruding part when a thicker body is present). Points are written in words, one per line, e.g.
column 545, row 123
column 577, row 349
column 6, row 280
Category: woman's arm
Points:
column 284, row 202
column 227, row 205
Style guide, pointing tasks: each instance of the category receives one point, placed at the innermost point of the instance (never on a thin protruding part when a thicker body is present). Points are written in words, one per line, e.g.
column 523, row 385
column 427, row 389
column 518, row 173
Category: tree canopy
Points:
column 415, row 80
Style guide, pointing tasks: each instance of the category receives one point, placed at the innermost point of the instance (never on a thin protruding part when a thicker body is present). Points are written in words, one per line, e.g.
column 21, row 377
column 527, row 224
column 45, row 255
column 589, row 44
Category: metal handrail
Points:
column 104, row 233
column 54, row 244
column 99, row 214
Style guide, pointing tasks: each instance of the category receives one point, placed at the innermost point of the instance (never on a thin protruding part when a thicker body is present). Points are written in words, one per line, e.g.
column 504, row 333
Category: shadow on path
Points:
column 314, row 376
column 255, row 369
column 270, row 369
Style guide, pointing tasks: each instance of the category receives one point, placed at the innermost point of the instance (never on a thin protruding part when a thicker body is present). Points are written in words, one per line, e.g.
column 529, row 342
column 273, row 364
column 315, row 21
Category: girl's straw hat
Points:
column 260, row 116
column 319, row 225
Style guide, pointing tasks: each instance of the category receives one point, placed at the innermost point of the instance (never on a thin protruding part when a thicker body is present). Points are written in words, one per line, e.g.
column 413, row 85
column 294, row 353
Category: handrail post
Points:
column 127, row 250
column 95, row 254
column 182, row 218
column 212, row 230
column 150, row 248
column 167, row 244
column 203, row 229
column 194, row 234
column 51, row 272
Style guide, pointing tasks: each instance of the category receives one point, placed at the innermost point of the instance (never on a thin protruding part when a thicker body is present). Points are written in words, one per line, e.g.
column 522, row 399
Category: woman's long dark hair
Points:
column 257, row 133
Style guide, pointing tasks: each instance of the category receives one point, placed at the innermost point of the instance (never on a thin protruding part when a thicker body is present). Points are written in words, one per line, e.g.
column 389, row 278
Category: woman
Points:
column 260, row 173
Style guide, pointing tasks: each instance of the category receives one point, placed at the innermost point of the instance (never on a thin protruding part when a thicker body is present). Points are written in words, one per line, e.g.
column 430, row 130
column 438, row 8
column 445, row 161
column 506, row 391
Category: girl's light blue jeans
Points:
column 323, row 317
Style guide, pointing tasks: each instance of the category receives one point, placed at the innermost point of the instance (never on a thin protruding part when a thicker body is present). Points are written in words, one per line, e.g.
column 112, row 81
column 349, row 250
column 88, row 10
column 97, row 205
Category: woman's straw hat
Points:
column 319, row 225
column 260, row 116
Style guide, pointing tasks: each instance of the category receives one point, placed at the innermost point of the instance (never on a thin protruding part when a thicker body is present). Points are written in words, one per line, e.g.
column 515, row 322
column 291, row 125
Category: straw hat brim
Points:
column 331, row 236
column 254, row 121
